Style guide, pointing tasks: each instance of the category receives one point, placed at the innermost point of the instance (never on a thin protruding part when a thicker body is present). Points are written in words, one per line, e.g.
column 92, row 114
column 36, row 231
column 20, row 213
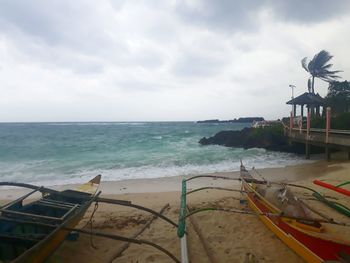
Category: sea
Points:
column 73, row 152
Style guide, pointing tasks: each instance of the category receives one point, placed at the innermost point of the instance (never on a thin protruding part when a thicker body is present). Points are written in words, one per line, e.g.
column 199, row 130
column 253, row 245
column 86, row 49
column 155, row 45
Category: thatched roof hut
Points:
column 311, row 100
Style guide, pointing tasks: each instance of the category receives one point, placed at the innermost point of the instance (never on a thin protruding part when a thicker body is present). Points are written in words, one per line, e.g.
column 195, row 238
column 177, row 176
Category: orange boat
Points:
column 314, row 240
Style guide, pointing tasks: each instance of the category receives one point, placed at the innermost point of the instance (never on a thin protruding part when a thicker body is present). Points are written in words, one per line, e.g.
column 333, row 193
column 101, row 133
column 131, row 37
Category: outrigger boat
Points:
column 32, row 232
column 292, row 221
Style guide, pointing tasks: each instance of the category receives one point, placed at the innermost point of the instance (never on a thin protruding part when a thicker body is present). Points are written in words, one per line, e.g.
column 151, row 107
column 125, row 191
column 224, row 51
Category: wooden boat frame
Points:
column 64, row 224
column 71, row 214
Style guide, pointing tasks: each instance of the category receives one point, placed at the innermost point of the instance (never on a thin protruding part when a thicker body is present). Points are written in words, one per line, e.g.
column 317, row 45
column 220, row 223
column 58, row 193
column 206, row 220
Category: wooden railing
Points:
column 320, row 136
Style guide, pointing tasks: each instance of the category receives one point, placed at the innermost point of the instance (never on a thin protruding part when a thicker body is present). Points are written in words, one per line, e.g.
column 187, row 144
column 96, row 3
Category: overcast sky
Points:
column 64, row 60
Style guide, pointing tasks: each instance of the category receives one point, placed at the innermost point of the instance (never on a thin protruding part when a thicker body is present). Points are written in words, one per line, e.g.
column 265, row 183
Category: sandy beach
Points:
column 227, row 237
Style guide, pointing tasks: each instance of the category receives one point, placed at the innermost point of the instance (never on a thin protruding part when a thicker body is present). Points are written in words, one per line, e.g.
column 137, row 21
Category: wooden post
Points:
column 328, row 127
column 307, row 150
column 328, row 123
column 290, row 123
column 318, row 111
column 294, row 110
column 308, row 123
column 302, row 111
column 307, row 145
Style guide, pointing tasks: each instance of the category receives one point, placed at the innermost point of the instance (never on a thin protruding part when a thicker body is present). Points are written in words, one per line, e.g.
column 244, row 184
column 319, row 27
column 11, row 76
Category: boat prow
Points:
column 96, row 179
column 91, row 186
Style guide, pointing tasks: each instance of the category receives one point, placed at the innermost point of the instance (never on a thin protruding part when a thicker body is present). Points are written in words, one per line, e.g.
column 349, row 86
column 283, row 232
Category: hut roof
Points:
column 307, row 99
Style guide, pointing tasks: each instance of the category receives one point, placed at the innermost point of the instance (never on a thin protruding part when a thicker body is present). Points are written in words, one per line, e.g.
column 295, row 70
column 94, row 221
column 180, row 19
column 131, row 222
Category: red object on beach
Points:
column 332, row 187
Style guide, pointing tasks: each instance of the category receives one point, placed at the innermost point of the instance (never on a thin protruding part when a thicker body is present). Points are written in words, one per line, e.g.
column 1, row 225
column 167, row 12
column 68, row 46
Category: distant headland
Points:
column 239, row 120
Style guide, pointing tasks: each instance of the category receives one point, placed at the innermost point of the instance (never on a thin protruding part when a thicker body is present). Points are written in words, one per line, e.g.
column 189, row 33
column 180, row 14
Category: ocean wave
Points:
column 56, row 156
column 158, row 171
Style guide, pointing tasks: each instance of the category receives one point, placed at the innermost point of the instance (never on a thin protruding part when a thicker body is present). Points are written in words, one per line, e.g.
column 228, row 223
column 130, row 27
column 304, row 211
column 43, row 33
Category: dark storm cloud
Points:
column 231, row 16
column 224, row 14
column 53, row 22
column 311, row 11
column 84, row 36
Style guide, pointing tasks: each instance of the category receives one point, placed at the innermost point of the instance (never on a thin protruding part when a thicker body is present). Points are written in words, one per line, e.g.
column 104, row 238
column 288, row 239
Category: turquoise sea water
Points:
column 60, row 153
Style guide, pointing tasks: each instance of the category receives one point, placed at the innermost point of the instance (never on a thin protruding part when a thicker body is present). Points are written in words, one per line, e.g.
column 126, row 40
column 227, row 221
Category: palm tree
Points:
column 319, row 67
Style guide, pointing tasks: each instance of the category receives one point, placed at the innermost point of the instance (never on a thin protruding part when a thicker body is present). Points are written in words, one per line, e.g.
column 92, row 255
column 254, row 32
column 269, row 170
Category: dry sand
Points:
column 228, row 237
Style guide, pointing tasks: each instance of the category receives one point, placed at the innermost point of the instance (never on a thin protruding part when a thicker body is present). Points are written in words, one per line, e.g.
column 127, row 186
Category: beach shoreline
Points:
column 171, row 183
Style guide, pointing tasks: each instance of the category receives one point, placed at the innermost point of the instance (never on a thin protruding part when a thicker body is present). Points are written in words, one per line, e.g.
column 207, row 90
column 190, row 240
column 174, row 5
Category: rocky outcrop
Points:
column 270, row 138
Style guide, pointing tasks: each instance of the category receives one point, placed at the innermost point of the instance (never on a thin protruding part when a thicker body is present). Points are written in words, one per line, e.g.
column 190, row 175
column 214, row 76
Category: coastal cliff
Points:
column 269, row 138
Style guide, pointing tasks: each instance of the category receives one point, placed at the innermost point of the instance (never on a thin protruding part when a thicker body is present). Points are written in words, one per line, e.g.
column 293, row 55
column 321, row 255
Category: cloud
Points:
column 311, row 11
column 161, row 60
column 194, row 65
column 240, row 16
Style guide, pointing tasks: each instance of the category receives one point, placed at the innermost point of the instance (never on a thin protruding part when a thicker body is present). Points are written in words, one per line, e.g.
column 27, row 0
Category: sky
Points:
column 162, row 60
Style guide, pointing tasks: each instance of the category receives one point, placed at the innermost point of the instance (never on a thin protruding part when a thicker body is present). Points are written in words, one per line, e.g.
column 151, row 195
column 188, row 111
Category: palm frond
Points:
column 321, row 58
column 329, row 78
column 319, row 67
column 327, row 66
column 323, row 73
column 310, row 67
column 304, row 64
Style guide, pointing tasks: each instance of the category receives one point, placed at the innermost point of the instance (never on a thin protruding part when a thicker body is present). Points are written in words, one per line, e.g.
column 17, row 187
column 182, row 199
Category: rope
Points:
column 90, row 222
column 260, row 175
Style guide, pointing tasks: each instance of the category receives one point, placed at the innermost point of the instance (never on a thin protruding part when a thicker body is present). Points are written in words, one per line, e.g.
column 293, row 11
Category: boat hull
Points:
column 310, row 248
column 49, row 216
column 41, row 251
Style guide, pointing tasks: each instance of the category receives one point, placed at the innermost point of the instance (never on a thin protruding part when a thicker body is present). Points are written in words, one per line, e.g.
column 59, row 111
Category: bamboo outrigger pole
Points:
column 45, row 190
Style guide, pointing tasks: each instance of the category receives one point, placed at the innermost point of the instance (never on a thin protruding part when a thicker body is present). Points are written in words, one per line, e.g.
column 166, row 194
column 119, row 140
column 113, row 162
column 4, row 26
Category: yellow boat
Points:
column 32, row 232
column 314, row 240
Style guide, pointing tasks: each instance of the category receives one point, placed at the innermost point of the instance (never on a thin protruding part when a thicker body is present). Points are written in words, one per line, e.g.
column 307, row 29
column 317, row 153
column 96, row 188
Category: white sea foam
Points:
column 150, row 171
column 45, row 155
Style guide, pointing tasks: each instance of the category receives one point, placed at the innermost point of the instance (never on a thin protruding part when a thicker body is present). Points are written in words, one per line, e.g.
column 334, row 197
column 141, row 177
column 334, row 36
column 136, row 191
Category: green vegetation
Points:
column 340, row 122
column 338, row 97
column 274, row 131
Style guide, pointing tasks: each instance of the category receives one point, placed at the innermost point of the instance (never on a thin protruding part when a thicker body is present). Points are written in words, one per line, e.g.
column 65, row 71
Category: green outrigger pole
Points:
column 181, row 229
